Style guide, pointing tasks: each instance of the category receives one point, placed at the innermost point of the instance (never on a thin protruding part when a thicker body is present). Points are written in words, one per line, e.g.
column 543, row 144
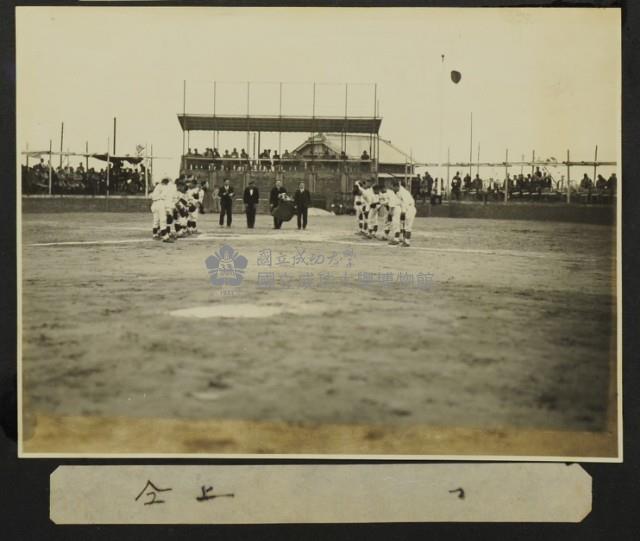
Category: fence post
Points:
column 146, row 167
column 506, row 177
column 50, row 172
column 107, row 185
column 568, row 178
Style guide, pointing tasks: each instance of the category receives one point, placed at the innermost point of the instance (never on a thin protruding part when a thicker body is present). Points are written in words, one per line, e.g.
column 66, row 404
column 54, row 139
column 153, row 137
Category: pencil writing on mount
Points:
column 152, row 492
column 460, row 492
column 206, row 496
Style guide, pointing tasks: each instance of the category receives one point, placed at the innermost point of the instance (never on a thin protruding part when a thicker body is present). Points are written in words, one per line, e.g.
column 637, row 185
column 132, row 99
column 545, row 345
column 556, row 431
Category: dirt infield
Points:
column 514, row 337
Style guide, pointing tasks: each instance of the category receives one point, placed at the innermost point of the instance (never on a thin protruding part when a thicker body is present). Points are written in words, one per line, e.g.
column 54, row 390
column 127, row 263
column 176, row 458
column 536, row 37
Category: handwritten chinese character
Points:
column 153, row 490
column 207, row 496
column 385, row 278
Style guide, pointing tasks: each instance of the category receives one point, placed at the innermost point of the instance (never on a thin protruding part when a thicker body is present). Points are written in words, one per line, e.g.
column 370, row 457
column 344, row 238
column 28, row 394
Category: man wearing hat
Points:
column 251, row 197
column 225, row 194
column 302, row 200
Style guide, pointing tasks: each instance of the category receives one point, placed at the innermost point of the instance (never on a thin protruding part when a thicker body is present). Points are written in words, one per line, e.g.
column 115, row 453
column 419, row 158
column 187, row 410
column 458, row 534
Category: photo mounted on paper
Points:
column 320, row 231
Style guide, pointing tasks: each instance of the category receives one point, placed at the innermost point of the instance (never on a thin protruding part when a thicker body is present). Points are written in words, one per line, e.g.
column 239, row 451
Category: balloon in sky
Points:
column 456, row 76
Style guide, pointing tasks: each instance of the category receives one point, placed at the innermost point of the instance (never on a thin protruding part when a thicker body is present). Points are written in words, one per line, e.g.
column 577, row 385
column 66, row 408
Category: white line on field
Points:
column 88, row 242
column 304, row 237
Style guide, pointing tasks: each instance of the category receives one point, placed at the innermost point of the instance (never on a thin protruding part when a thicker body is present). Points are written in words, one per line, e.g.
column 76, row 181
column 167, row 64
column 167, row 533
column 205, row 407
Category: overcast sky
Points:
column 538, row 79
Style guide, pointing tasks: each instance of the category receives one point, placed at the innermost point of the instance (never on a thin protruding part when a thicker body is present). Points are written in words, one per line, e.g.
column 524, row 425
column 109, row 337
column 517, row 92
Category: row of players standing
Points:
column 278, row 196
column 175, row 203
column 392, row 210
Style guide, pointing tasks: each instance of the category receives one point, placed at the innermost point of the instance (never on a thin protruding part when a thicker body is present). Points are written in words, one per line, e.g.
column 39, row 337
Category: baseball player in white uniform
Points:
column 194, row 199
column 374, row 211
column 382, row 217
column 171, row 197
column 358, row 204
column 182, row 206
column 368, row 197
column 160, row 227
column 393, row 218
column 408, row 212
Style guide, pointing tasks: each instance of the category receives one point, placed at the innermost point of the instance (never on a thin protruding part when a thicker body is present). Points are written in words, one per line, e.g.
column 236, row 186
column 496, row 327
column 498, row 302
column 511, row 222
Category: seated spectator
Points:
column 195, row 152
column 477, row 183
column 456, row 184
column 415, row 186
column 466, row 182
column 612, row 184
column 586, row 183
column 286, row 159
column 244, row 160
column 276, row 161
column 601, row 183
column 216, row 159
column 80, row 169
column 235, row 164
column 364, row 157
column 428, row 183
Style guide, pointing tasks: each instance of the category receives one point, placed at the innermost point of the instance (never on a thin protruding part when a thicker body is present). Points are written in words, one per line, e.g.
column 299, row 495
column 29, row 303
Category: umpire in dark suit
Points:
column 274, row 201
column 225, row 194
column 251, row 197
column 302, row 200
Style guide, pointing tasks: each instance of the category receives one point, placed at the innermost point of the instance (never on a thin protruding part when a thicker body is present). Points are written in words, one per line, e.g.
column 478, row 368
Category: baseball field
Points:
column 485, row 337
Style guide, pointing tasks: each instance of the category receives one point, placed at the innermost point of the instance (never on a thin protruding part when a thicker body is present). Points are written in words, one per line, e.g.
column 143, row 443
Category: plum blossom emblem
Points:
column 226, row 267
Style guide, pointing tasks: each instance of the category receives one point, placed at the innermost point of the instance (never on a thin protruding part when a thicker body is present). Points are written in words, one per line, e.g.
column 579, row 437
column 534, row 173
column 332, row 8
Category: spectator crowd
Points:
column 123, row 179
column 536, row 183
column 271, row 160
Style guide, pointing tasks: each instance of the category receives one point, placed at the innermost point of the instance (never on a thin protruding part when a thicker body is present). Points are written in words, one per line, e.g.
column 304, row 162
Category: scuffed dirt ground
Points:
column 516, row 333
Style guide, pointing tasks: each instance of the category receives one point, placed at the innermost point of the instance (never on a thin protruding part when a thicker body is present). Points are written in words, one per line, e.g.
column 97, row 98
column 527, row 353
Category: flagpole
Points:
column 441, row 117
column 146, row 167
column 50, row 167
column 471, row 146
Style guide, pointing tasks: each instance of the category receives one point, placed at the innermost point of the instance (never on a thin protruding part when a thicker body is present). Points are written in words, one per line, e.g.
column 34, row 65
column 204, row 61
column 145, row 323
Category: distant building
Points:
column 330, row 146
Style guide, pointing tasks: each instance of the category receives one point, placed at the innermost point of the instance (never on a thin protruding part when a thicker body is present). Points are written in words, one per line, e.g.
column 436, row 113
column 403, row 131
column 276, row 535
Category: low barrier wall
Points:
column 594, row 214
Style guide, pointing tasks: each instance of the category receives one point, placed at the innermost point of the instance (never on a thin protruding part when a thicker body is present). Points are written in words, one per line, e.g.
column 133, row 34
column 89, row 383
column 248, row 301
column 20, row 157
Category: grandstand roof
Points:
column 356, row 144
column 306, row 124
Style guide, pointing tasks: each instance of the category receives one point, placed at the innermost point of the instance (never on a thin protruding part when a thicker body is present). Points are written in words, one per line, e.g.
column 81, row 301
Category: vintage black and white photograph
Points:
column 378, row 232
